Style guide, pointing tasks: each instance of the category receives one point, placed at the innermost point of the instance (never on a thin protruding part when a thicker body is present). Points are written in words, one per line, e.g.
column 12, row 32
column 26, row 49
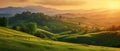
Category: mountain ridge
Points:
column 13, row 10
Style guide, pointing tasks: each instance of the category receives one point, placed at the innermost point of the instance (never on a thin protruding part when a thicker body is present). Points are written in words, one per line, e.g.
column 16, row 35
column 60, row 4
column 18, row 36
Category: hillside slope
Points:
column 11, row 40
column 105, row 38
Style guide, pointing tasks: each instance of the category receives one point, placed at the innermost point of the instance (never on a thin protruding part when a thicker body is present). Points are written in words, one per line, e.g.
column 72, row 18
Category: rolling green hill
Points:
column 49, row 23
column 45, row 34
column 11, row 40
column 105, row 38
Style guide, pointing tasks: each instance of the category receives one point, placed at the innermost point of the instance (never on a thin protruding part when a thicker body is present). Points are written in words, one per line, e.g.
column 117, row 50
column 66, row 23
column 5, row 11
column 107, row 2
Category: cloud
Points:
column 57, row 4
column 6, row 1
column 21, row 0
column 61, row 2
column 42, row 2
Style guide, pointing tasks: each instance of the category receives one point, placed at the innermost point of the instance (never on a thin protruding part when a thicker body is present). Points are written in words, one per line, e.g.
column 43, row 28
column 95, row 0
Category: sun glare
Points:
column 113, row 5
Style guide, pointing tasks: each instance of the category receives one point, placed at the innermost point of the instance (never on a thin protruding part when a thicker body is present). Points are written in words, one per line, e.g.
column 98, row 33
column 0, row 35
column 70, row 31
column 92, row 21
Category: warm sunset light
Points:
column 64, row 4
column 59, row 25
column 113, row 5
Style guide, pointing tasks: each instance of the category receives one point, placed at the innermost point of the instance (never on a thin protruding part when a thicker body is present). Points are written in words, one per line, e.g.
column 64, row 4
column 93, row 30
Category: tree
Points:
column 46, row 28
column 16, row 28
column 40, row 34
column 4, row 22
column 32, row 28
column 22, row 28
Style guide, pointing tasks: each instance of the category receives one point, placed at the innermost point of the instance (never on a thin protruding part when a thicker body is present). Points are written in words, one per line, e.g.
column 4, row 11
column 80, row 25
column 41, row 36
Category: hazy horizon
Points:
column 63, row 4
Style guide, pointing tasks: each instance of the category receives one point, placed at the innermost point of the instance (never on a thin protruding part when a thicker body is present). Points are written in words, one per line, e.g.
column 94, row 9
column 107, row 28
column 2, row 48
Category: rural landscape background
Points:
column 59, row 25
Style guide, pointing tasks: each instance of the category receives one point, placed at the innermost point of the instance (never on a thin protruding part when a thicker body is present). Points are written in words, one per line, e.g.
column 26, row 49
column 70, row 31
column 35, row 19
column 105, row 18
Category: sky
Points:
column 63, row 4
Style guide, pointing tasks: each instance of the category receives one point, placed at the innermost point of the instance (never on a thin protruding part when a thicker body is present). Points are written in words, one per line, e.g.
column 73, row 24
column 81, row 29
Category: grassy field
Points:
column 105, row 38
column 11, row 40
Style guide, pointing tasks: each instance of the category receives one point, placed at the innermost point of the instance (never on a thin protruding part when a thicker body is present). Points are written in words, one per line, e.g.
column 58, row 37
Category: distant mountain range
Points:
column 10, row 11
column 93, row 16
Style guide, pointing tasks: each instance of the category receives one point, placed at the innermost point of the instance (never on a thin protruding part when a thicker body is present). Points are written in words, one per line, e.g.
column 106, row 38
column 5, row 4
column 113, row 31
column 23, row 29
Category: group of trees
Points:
column 30, row 28
column 113, row 28
column 43, row 21
column 3, row 21
column 27, row 16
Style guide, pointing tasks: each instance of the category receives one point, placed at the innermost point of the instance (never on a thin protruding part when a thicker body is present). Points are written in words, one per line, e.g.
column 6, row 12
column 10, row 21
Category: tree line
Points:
column 29, row 28
column 3, row 21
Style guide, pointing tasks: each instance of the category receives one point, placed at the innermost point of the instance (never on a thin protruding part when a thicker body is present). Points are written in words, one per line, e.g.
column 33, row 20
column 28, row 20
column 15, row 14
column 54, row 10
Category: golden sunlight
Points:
column 113, row 5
